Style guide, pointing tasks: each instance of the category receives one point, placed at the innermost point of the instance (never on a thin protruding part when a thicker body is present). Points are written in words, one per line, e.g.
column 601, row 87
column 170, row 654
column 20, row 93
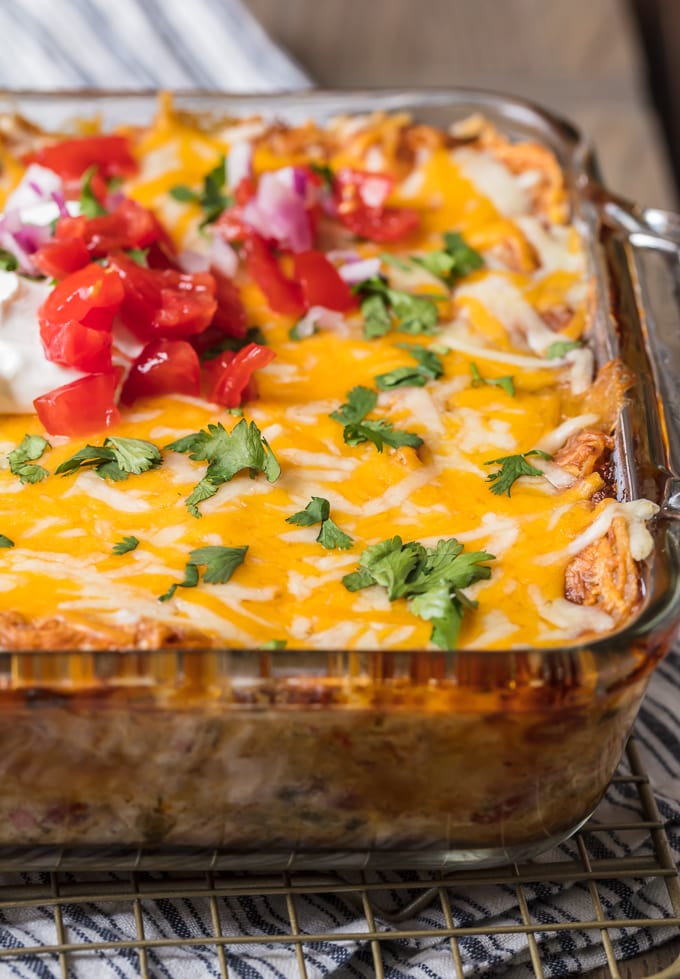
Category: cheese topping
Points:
column 289, row 587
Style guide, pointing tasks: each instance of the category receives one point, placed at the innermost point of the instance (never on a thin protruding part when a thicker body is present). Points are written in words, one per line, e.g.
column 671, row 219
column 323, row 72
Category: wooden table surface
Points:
column 580, row 58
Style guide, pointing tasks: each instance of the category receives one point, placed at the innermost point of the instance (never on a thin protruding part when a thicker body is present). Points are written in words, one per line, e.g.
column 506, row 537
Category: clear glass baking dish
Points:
column 244, row 759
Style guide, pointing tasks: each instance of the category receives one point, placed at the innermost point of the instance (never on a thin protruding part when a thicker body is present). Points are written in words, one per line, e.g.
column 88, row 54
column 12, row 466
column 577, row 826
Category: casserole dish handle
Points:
column 650, row 239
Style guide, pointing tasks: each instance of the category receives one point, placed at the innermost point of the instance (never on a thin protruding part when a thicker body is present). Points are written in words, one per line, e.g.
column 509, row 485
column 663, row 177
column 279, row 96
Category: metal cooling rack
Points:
column 385, row 906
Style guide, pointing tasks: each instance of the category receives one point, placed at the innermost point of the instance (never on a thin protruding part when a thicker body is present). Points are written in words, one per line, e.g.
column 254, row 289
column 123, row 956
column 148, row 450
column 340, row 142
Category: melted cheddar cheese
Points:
column 289, row 587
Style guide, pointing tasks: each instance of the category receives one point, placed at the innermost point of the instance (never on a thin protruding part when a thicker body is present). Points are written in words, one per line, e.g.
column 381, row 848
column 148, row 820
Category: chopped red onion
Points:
column 192, row 261
column 35, row 187
column 319, row 316
column 31, row 236
column 357, row 271
column 223, row 257
column 60, row 200
column 239, row 162
column 279, row 212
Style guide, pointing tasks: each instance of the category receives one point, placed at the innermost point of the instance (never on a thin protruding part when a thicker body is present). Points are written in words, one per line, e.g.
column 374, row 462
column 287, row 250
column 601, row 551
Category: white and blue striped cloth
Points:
column 217, row 44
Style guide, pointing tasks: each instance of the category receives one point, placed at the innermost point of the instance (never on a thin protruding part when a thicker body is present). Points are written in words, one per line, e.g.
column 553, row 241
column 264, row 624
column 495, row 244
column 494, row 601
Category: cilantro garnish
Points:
column 227, row 453
column 507, row 382
column 89, row 204
column 253, row 335
column 125, row 545
column 512, row 467
column 430, row 579
column 116, row 459
column 275, row 644
column 352, row 414
column 324, row 171
column 5, row 541
column 318, row 511
column 561, row 347
column 8, row 262
column 211, row 199
column 429, row 368
column 381, row 305
column 455, row 260
column 139, row 256
column 21, row 460
column 219, row 562
column 360, row 401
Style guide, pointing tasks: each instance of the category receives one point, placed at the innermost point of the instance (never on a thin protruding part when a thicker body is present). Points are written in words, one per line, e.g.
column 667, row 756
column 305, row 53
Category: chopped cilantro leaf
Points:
column 324, row 171
column 381, row 433
column 382, row 305
column 5, row 541
column 8, row 262
column 352, row 414
column 429, row 368
column 512, row 467
column 401, row 377
column 21, row 460
column 331, row 536
column 318, row 511
column 220, row 564
column 183, row 194
column 377, row 319
column 125, row 545
column 89, row 204
column 274, row 644
column 561, row 347
column 360, row 401
column 507, row 383
column 115, row 459
column 190, row 580
column 430, row 579
column 415, row 314
column 427, row 358
column 211, row 199
column 450, row 263
column 139, row 256
column 227, row 453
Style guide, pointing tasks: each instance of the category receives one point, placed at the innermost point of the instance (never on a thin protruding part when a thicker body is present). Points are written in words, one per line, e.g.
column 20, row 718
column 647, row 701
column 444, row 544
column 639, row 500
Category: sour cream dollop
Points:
column 25, row 372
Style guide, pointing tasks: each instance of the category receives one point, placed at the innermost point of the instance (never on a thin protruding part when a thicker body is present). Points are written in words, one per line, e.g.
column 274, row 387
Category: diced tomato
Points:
column 282, row 294
column 231, row 225
column 360, row 198
column 381, row 224
column 129, row 226
column 321, row 283
column 74, row 345
column 91, row 297
column 245, row 191
column 163, row 367
column 229, row 375
column 231, row 318
column 361, row 188
column 81, row 407
column 57, row 259
column 164, row 302
column 70, row 158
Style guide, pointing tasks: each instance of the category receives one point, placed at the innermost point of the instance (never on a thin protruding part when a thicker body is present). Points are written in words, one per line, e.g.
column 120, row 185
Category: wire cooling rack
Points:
column 386, row 907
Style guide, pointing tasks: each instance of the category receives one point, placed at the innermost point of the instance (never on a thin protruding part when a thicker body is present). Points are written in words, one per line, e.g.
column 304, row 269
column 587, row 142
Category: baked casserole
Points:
column 321, row 387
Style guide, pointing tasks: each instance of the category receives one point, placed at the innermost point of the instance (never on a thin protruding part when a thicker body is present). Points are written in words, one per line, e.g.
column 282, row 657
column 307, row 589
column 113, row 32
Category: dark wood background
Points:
column 583, row 58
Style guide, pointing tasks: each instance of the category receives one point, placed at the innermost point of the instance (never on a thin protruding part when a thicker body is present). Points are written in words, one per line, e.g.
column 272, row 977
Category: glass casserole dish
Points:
column 282, row 758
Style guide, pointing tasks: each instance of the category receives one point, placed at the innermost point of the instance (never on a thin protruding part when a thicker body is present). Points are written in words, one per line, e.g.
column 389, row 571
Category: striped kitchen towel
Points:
column 50, row 44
